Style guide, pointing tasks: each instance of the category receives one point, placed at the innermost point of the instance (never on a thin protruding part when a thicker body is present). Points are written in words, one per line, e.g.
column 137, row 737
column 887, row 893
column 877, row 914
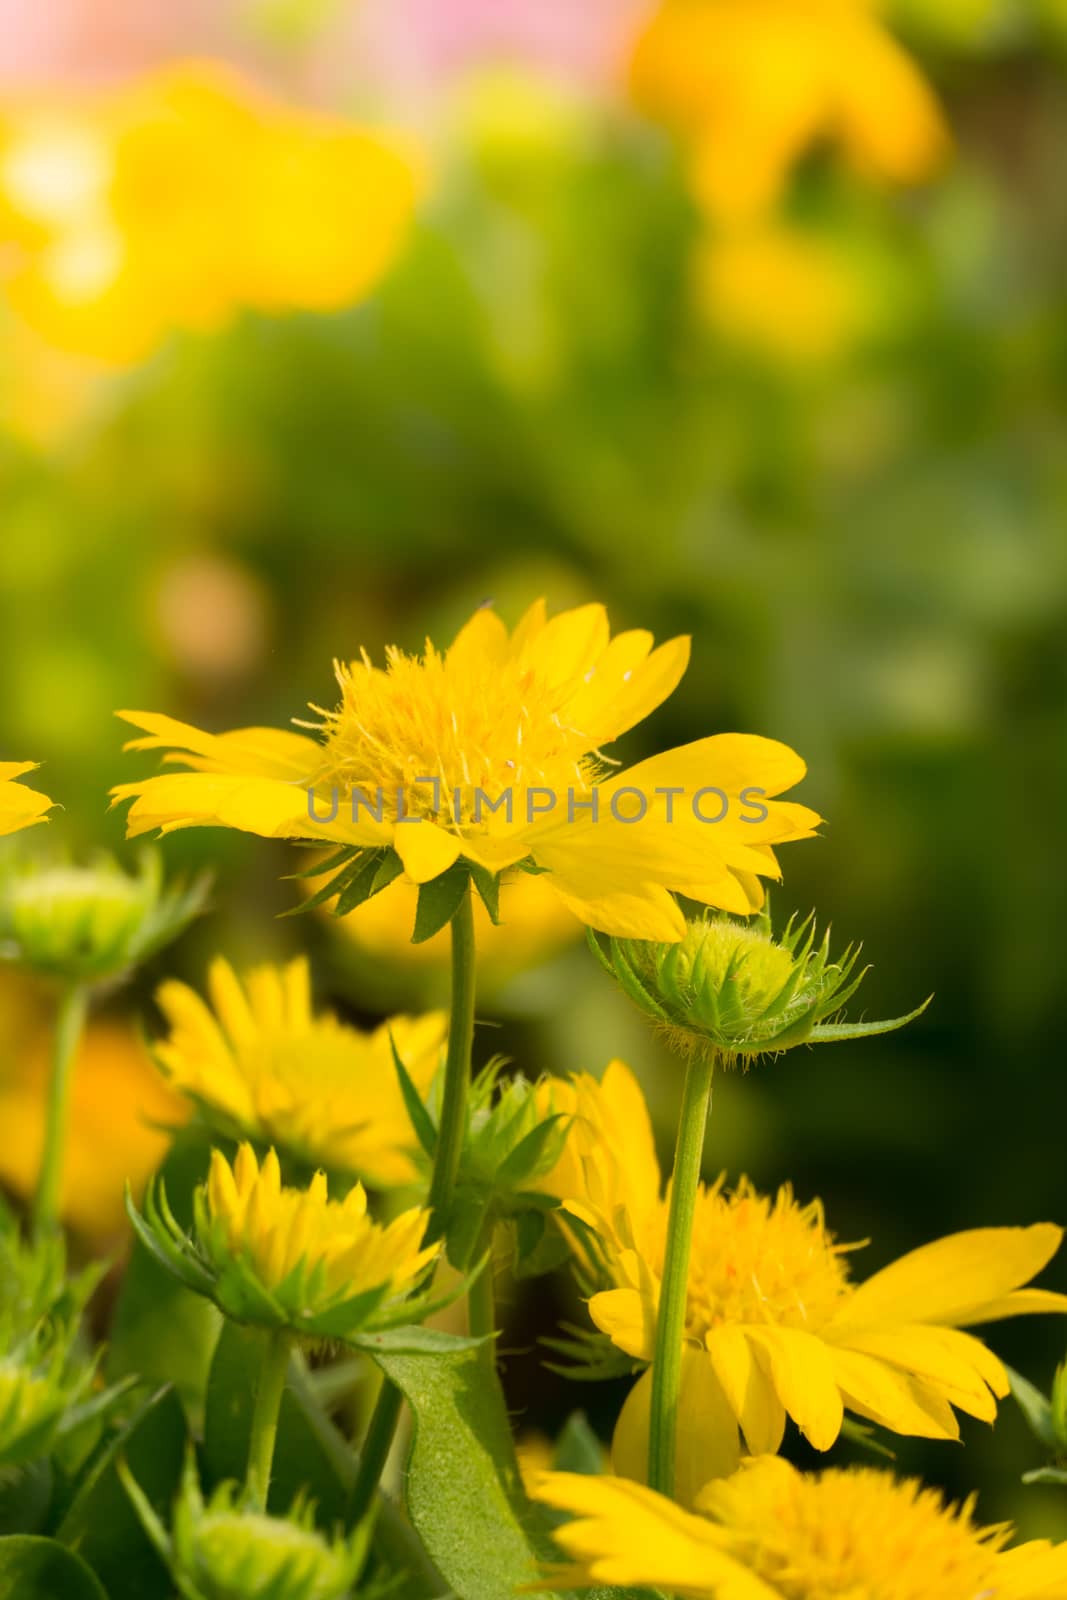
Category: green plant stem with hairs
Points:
column 70, row 1023
column 670, row 1324
column 450, row 1136
column 269, row 1391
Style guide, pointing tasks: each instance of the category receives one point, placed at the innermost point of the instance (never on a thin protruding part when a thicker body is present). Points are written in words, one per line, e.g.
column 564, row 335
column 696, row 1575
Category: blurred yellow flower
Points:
column 779, row 291
column 773, row 1533
column 20, row 807
column 183, row 196
column 261, row 1064
column 775, row 1324
column 753, row 85
column 120, row 1112
column 492, row 752
column 534, row 924
column 299, row 1242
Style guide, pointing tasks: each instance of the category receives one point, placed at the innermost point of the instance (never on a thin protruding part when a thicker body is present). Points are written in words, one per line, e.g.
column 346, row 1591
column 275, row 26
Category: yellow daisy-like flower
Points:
column 20, row 807
column 752, row 85
column 775, row 1323
column 291, row 1259
column 246, row 1212
column 260, row 1063
column 773, row 1533
column 182, row 196
column 491, row 752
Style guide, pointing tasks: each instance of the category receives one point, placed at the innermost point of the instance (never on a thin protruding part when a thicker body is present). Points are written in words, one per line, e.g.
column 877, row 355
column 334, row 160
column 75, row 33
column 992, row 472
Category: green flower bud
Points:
column 224, row 1549
column 732, row 989
column 91, row 924
column 39, row 1395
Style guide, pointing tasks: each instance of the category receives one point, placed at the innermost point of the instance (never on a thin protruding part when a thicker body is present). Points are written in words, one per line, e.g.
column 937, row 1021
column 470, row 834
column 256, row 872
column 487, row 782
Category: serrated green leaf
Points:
column 40, row 1569
column 439, row 900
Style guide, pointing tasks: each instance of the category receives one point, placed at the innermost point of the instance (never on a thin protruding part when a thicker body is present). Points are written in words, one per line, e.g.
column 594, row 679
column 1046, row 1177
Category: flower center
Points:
column 846, row 1534
column 757, row 1260
column 438, row 733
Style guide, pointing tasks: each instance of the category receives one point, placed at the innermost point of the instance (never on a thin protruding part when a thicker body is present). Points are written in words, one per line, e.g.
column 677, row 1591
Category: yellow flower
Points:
column 776, row 1324
column 20, row 807
column 261, row 1063
column 491, row 752
column 752, row 85
column 182, row 196
column 773, row 1533
column 247, row 1212
column 291, row 1258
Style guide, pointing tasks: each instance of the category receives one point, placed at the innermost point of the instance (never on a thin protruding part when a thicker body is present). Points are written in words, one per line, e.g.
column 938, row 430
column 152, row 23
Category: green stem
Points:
column 269, row 1391
column 70, row 1021
column 453, row 1126
column 670, row 1326
column 481, row 1308
column 450, row 1136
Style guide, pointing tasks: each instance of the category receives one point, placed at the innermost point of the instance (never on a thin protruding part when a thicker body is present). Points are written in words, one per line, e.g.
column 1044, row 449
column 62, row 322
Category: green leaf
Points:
column 101, row 1524
column 1034, row 1407
column 439, row 900
column 41, row 1569
column 1046, row 1475
column 420, row 1119
column 464, row 1493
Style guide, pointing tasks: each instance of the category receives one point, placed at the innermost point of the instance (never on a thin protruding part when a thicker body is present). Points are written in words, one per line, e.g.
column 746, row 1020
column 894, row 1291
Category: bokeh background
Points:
column 325, row 321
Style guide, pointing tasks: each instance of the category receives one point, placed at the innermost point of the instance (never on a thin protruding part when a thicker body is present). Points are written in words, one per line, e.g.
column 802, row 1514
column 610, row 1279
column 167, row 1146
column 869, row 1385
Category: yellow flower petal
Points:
column 425, row 849
column 945, row 1281
column 707, row 1443
column 628, row 1534
column 803, row 1376
column 891, row 1398
column 750, row 1393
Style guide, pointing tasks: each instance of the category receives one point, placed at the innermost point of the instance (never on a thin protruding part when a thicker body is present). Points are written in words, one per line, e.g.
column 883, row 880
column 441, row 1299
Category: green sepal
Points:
column 488, row 886
column 439, row 900
column 830, row 1032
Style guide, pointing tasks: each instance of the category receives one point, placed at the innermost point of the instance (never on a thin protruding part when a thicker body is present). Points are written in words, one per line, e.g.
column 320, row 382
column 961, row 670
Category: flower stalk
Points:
column 269, row 1391
column 670, row 1323
column 70, row 1024
column 453, row 1126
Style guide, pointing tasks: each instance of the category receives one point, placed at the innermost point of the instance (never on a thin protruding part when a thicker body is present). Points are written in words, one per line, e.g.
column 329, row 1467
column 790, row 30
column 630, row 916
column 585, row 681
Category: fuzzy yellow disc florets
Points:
column 758, row 1260
column 845, row 1534
column 471, row 727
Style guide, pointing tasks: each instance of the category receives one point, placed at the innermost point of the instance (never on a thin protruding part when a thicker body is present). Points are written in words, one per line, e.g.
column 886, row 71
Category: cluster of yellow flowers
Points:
column 177, row 199
column 739, row 1311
